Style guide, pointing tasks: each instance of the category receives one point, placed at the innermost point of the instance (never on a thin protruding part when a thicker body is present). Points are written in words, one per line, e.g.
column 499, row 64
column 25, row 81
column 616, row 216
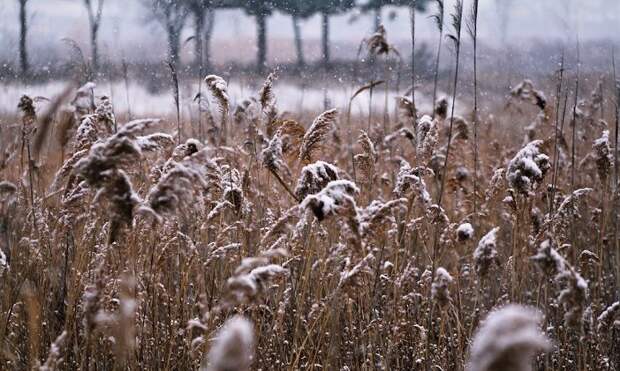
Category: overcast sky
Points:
column 126, row 29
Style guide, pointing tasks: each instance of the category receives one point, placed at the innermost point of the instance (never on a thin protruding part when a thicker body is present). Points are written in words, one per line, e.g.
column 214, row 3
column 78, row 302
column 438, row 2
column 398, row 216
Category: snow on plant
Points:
column 410, row 183
column 603, row 155
column 233, row 347
column 528, row 167
column 507, row 340
column 427, row 137
column 314, row 177
column 440, row 287
column 333, row 199
column 485, row 254
column 465, row 232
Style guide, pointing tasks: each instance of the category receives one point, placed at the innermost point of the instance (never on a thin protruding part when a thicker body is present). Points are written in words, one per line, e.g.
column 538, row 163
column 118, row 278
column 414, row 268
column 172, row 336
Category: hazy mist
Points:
column 128, row 31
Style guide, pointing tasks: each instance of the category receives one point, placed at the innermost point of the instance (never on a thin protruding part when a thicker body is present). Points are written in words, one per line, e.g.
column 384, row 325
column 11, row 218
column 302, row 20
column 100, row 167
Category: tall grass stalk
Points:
column 176, row 95
column 439, row 21
column 472, row 26
column 457, row 20
column 616, row 86
column 359, row 91
column 558, row 99
column 412, row 16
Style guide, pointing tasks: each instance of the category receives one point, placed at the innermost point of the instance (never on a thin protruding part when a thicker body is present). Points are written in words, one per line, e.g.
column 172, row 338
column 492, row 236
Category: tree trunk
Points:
column 199, row 22
column 94, row 30
column 325, row 38
column 261, row 58
column 94, row 20
column 173, row 47
column 208, row 37
column 298, row 42
column 23, row 31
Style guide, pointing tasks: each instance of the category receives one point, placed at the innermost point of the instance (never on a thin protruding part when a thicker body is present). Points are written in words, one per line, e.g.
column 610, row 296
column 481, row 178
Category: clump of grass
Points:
column 271, row 246
column 508, row 340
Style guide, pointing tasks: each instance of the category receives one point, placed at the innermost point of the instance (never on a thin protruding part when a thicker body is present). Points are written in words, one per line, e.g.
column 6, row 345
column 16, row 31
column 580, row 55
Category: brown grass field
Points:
column 248, row 237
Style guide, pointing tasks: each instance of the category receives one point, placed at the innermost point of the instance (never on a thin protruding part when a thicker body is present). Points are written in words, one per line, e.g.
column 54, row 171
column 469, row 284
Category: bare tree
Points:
column 94, row 21
column 203, row 12
column 298, row 10
column 327, row 8
column 171, row 15
column 261, row 10
column 208, row 33
column 23, row 33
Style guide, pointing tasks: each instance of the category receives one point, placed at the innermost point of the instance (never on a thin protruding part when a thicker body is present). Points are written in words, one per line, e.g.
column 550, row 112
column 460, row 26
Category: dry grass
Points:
column 121, row 249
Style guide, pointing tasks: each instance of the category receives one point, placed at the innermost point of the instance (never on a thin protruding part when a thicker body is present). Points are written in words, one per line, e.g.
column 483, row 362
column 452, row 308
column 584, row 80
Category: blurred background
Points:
column 308, row 41
column 135, row 31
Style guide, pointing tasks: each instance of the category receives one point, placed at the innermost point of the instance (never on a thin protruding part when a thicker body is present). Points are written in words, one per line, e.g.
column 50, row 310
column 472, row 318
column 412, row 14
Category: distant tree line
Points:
column 175, row 15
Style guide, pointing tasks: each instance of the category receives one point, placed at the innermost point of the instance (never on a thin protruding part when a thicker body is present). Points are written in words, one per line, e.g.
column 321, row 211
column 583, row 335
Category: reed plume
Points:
column 219, row 90
column 312, row 142
column 267, row 99
column 528, row 167
column 485, row 254
column 438, row 17
column 440, row 291
column 233, row 347
column 508, row 339
column 457, row 21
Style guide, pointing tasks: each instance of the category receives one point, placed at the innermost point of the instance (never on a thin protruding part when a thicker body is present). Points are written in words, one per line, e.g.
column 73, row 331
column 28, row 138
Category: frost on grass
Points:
column 410, row 183
column 465, row 232
column 116, row 151
column 268, row 100
column 528, row 168
column 573, row 297
column 440, row 287
column 603, row 155
column 334, row 198
column 565, row 215
column 178, row 183
column 574, row 294
column 314, row 178
column 102, row 170
column 350, row 278
column 155, row 142
column 374, row 219
column 427, row 137
column 273, row 160
column 485, row 254
column 507, row 340
column 606, row 319
column 219, row 89
column 248, row 287
column 550, row 262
